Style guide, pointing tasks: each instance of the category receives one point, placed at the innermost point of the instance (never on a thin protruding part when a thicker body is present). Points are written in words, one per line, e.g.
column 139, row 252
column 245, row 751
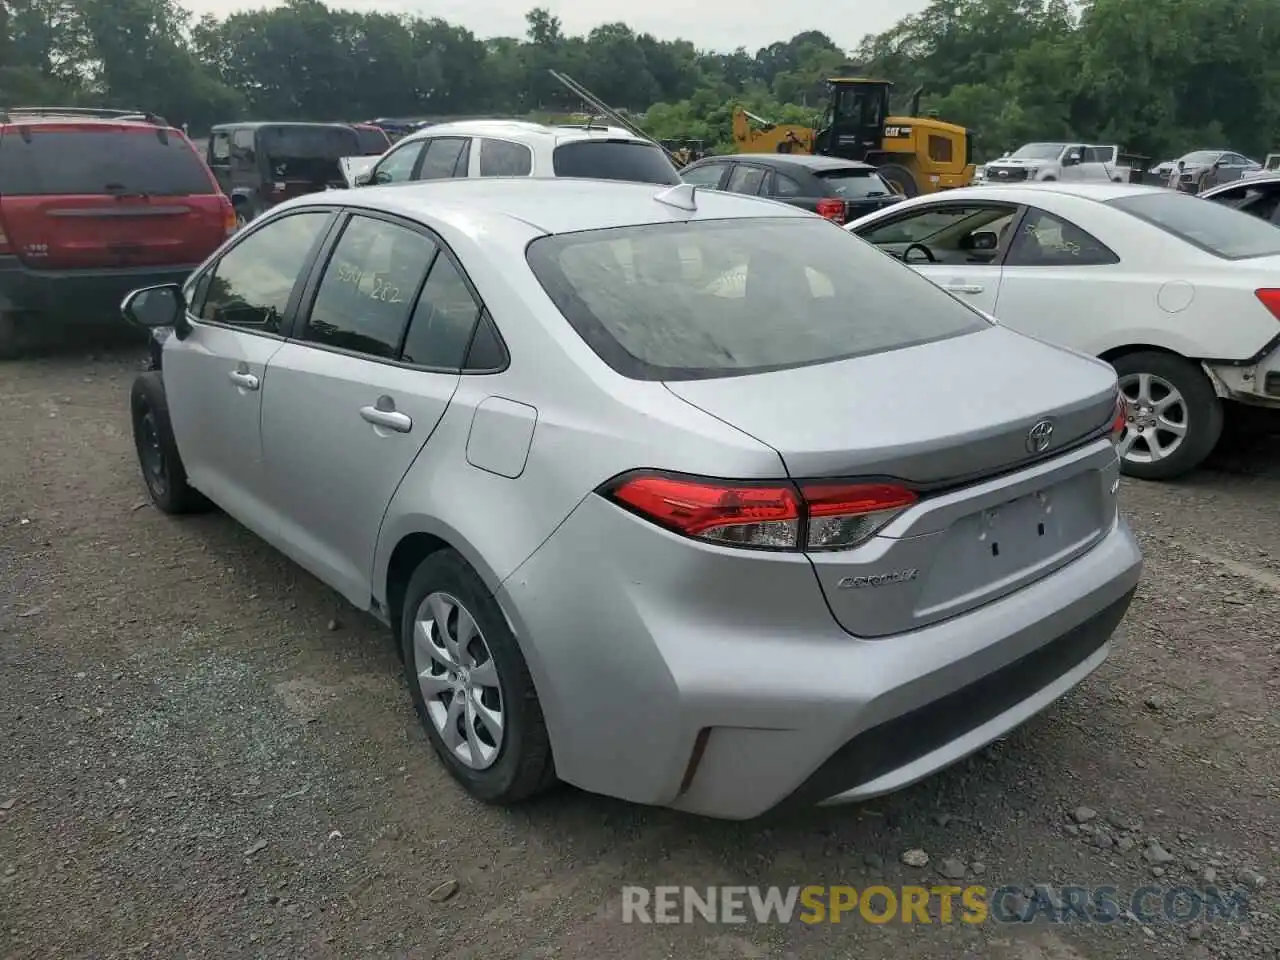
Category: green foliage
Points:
column 1157, row 76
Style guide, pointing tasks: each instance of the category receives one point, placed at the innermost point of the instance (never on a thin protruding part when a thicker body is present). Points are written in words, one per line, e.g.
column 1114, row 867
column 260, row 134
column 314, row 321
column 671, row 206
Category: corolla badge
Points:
column 878, row 579
column 1040, row 436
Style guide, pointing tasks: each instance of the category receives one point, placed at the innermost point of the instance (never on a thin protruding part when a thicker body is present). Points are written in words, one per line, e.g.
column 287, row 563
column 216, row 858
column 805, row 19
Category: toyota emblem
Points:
column 1040, row 436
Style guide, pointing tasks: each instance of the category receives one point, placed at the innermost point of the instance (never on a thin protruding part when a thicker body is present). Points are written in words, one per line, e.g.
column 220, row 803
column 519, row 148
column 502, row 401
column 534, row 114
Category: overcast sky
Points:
column 716, row 24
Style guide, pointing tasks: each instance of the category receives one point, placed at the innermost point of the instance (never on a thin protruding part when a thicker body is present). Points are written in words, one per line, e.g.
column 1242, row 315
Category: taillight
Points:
column 763, row 515
column 843, row 515
column 833, row 210
column 229, row 223
column 1270, row 299
column 1119, row 418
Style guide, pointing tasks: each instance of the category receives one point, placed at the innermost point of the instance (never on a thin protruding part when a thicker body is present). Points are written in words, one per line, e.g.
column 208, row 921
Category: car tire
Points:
column 162, row 468
column 1149, row 378
column 900, row 177
column 518, row 763
column 10, row 336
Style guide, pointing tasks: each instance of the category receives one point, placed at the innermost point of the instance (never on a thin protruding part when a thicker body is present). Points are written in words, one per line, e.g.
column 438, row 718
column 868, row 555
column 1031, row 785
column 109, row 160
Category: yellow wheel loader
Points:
column 915, row 154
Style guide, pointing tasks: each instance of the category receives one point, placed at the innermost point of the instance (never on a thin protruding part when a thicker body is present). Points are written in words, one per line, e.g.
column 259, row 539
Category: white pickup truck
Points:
column 1059, row 161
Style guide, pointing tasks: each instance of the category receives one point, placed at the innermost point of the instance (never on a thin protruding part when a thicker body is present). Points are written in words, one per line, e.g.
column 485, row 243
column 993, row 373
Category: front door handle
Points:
column 964, row 287
column 242, row 379
column 391, row 419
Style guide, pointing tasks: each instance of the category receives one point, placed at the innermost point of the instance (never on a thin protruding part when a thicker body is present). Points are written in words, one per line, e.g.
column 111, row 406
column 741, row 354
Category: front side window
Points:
column 953, row 234
column 446, row 157
column 1213, row 227
column 501, row 158
column 1044, row 240
column 369, row 287
column 251, row 284
column 698, row 299
column 397, row 166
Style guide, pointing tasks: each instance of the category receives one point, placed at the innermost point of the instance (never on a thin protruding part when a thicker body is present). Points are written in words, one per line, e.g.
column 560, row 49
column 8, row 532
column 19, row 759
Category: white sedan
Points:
column 1181, row 296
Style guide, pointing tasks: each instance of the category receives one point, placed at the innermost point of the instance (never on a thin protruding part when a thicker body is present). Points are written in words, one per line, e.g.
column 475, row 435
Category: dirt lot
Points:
column 205, row 753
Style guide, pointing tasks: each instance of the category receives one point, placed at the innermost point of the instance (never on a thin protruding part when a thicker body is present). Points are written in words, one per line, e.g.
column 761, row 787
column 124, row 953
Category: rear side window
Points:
column 443, row 320
column 679, row 301
column 500, row 158
column 855, row 184
column 94, row 160
column 1213, row 227
column 369, row 287
column 630, row 160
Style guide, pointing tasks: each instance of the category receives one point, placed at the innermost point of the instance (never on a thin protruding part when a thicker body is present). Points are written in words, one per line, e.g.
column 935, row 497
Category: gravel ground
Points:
column 205, row 753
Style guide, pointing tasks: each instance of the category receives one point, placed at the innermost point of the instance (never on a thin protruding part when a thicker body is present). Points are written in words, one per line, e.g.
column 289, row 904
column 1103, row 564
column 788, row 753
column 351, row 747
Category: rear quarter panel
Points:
column 591, row 425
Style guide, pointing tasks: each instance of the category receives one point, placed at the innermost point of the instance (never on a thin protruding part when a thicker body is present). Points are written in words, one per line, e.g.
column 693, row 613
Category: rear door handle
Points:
column 391, row 419
column 964, row 287
column 242, row 379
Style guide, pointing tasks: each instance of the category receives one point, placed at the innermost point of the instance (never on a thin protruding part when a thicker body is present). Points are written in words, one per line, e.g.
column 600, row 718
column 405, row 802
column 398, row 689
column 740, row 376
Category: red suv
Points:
column 94, row 204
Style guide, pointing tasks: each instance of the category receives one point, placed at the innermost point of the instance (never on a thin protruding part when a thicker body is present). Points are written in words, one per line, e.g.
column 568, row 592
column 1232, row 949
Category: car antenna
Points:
column 682, row 195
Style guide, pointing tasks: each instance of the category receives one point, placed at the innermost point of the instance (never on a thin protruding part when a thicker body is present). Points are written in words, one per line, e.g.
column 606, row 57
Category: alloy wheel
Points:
column 1156, row 418
column 459, row 680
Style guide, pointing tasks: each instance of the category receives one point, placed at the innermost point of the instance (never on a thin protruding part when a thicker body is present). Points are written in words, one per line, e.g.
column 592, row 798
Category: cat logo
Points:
column 897, row 132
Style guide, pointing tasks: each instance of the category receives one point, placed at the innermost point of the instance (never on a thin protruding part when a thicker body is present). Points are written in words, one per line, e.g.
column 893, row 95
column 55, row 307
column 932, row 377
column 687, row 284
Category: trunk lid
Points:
column 953, row 419
column 98, row 195
column 941, row 412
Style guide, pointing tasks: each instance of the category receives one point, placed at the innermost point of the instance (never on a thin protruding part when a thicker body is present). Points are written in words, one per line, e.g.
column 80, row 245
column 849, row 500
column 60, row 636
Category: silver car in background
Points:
column 679, row 496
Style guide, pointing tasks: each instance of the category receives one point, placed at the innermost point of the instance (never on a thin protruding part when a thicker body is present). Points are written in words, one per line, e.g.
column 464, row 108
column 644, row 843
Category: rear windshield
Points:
column 714, row 298
column 855, row 184
column 329, row 143
column 614, row 160
column 373, row 142
column 100, row 161
column 1213, row 227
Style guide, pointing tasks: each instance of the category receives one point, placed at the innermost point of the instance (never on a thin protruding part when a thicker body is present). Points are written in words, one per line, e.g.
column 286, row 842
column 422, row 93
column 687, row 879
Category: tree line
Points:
column 1157, row 76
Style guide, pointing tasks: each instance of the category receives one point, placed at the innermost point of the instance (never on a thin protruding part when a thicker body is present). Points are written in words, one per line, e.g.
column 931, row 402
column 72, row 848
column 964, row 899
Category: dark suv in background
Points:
column 840, row 190
column 94, row 204
column 261, row 164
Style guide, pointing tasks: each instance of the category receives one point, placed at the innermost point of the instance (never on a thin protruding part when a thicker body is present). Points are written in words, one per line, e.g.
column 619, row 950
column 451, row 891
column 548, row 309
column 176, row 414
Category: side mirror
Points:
column 152, row 307
column 363, row 179
column 985, row 241
column 1072, row 158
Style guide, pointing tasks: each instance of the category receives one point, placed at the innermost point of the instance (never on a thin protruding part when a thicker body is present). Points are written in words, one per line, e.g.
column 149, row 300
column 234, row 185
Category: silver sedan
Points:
column 679, row 496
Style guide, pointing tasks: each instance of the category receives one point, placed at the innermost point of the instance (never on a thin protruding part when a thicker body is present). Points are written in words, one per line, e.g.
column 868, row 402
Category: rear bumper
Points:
column 1256, row 383
column 721, row 685
column 78, row 295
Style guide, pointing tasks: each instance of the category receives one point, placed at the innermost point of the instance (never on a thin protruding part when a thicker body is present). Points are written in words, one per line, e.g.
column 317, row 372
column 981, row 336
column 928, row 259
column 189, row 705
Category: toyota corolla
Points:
column 683, row 497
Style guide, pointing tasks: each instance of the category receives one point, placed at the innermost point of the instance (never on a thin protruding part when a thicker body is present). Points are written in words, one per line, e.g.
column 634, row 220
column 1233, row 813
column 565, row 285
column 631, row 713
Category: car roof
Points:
column 808, row 161
column 256, row 124
column 524, row 130
column 1018, row 193
column 1253, row 181
column 548, row 204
